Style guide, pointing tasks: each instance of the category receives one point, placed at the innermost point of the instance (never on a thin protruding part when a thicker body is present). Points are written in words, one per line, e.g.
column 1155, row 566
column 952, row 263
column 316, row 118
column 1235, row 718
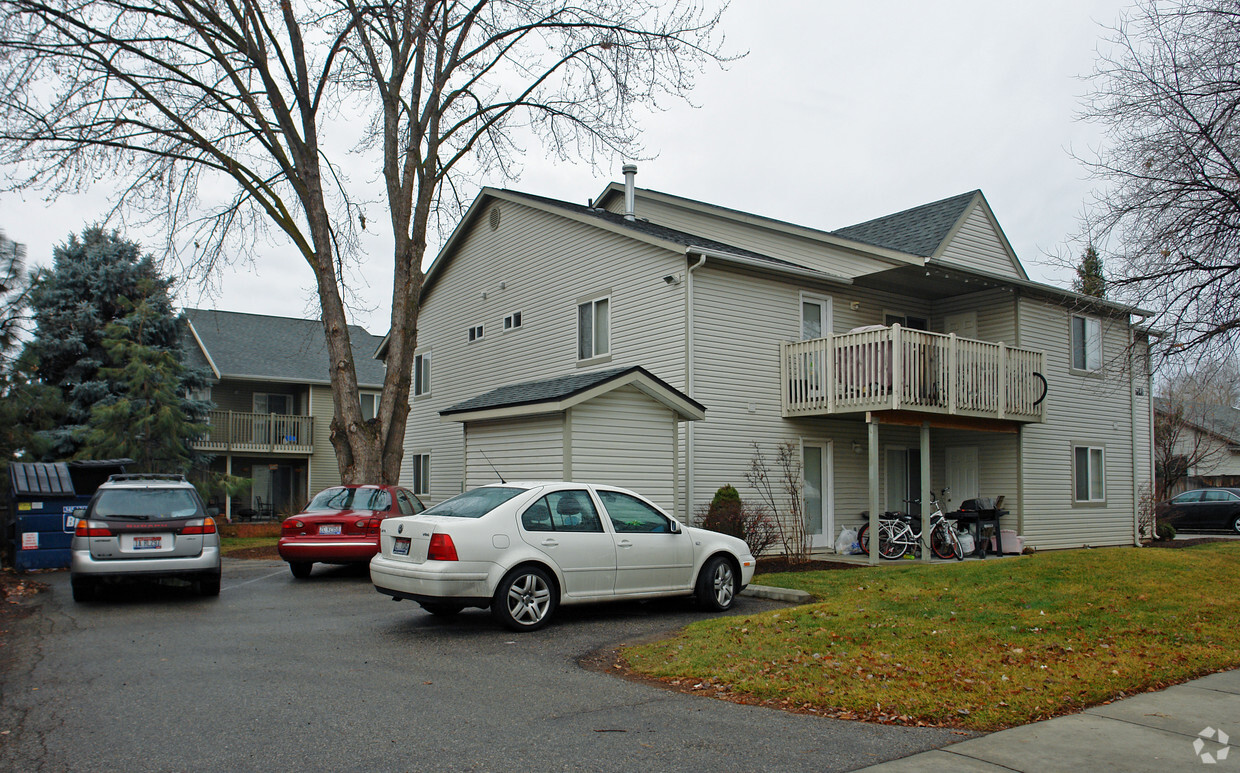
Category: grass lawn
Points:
column 230, row 544
column 979, row 645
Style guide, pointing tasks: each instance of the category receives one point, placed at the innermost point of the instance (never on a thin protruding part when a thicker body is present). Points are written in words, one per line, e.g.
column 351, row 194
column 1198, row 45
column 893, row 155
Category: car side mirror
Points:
column 675, row 527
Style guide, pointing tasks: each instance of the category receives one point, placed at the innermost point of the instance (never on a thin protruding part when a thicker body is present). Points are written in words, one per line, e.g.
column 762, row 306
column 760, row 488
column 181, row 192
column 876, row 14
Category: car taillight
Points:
column 91, row 529
column 441, row 548
column 371, row 525
column 292, row 524
column 204, row 526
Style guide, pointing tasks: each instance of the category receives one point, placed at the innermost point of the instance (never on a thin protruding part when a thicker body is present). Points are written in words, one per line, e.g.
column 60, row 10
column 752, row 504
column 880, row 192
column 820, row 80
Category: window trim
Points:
column 1092, row 501
column 376, row 395
column 420, row 464
column 475, row 333
column 513, row 322
column 828, row 313
column 421, row 386
column 593, row 301
column 1088, row 322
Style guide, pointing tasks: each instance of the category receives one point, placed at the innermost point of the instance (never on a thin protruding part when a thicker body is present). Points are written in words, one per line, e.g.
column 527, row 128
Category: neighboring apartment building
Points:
column 1206, row 440
column 273, row 404
column 649, row 341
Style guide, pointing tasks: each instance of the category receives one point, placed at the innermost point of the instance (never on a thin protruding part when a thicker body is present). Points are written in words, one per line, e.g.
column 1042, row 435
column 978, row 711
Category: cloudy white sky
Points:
column 840, row 113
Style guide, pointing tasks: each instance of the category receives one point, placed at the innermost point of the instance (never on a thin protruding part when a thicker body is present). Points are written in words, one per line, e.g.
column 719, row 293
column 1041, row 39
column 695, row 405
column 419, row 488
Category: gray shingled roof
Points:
column 1221, row 420
column 682, row 238
column 255, row 346
column 917, row 231
column 549, row 390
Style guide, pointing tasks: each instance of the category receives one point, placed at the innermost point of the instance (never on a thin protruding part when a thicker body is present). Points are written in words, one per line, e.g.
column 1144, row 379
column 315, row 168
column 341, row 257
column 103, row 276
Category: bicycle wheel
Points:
column 943, row 543
column 890, row 545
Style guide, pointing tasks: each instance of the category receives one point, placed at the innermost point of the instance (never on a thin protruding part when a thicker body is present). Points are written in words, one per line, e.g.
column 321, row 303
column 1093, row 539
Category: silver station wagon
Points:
column 144, row 527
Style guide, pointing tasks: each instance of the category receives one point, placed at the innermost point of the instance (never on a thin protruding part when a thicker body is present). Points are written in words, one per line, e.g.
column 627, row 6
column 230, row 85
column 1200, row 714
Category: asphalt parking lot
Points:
column 327, row 674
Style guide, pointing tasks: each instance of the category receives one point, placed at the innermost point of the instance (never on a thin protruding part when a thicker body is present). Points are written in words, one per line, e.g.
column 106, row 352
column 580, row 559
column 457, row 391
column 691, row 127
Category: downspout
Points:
column 689, row 382
column 1132, row 425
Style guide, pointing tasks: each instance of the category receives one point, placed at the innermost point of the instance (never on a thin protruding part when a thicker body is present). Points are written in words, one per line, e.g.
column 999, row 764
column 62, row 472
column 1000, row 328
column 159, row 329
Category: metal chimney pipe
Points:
column 630, row 171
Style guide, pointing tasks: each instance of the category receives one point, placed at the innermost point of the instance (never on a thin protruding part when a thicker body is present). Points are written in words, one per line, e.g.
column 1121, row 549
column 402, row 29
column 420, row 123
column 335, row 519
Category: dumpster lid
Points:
column 49, row 478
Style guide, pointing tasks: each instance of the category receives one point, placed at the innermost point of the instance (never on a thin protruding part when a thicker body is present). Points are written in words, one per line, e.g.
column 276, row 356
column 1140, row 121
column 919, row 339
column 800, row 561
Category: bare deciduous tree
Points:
column 783, row 486
column 1166, row 93
column 1192, row 420
column 224, row 121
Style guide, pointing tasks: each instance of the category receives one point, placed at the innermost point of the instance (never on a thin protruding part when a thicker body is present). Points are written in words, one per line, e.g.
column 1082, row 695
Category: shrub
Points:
column 727, row 514
column 1166, row 531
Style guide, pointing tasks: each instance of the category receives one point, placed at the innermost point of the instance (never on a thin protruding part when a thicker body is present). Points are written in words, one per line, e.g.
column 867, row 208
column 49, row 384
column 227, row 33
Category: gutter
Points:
column 689, row 377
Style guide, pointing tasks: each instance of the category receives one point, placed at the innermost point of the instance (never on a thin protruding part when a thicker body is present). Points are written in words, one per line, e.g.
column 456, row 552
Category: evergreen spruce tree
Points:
column 146, row 420
column 99, row 280
column 1089, row 277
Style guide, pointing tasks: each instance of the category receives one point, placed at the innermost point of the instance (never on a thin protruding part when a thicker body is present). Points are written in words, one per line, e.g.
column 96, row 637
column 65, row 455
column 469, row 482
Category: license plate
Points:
column 401, row 546
column 329, row 528
column 148, row 543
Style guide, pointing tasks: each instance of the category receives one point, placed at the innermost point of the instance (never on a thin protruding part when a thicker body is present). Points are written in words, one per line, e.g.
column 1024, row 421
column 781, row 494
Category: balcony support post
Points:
column 1001, row 386
column 926, row 552
column 872, row 428
column 829, row 371
column 952, row 372
column 895, row 371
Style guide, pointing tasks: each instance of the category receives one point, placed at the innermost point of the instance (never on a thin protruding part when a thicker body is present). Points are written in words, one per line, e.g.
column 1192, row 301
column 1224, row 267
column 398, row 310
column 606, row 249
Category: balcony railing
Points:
column 893, row 368
column 232, row 432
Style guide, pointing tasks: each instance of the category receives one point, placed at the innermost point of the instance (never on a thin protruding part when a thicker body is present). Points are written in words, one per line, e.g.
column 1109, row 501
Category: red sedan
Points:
column 341, row 525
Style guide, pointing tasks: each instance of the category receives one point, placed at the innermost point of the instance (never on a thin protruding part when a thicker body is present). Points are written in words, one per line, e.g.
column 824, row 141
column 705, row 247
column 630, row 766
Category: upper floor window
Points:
column 512, row 321
column 475, row 332
column 1086, row 343
column 593, row 328
column 270, row 403
column 370, row 405
column 1089, row 474
column 422, row 374
column 421, row 473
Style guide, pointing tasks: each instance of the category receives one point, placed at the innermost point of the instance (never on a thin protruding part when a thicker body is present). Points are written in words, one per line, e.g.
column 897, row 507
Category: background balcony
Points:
column 235, row 432
column 896, row 369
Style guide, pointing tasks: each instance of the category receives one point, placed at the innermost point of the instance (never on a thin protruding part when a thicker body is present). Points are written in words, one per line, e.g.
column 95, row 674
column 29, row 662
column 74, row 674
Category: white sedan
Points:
column 523, row 549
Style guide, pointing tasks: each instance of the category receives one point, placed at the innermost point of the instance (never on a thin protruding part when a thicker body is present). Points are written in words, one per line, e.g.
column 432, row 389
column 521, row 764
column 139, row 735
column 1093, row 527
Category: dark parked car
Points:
column 341, row 525
column 1204, row 508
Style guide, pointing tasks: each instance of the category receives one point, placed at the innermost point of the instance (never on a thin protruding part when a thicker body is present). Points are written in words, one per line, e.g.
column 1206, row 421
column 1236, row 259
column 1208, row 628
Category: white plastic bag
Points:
column 844, row 543
column 965, row 537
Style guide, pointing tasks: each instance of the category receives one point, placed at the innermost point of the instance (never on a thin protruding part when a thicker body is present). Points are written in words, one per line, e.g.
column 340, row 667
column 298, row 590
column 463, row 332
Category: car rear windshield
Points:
column 146, row 503
column 474, row 504
column 342, row 498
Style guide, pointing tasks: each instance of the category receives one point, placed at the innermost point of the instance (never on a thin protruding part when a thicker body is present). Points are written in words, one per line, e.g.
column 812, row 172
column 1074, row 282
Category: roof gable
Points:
column 918, row 231
column 560, row 393
column 257, row 347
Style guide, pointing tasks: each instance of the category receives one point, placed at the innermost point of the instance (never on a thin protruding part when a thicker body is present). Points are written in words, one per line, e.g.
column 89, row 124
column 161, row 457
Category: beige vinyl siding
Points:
column 995, row 310
column 977, row 245
column 624, row 438
column 753, row 235
column 324, row 471
column 546, row 265
column 520, row 449
column 1081, row 409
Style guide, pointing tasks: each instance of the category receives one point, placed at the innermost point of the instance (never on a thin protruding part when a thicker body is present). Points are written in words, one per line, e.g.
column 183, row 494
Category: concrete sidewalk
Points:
column 1154, row 732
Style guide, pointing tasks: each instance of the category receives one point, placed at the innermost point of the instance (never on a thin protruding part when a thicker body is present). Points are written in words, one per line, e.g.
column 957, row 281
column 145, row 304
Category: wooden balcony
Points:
column 897, row 369
column 268, row 433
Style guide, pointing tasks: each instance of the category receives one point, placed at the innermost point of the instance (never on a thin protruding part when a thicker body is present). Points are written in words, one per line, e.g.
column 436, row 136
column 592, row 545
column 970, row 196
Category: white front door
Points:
column 818, row 493
column 961, row 473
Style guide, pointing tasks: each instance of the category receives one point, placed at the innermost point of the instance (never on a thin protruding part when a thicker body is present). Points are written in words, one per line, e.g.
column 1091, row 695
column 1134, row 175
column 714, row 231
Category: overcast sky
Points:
column 840, row 113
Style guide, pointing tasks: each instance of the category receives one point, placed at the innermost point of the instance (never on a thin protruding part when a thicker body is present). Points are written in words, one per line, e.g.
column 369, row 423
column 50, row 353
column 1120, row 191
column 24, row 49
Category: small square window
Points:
column 512, row 321
column 1089, row 474
column 370, row 405
column 475, row 333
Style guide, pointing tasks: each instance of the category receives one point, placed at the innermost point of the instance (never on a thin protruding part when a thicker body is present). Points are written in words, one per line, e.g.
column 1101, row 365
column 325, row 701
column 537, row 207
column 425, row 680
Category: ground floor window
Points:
column 1089, row 474
column 421, row 474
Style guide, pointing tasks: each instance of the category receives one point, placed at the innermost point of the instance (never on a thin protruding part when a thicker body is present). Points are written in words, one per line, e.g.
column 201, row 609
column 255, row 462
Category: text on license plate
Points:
column 148, row 543
column 401, row 546
column 329, row 528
